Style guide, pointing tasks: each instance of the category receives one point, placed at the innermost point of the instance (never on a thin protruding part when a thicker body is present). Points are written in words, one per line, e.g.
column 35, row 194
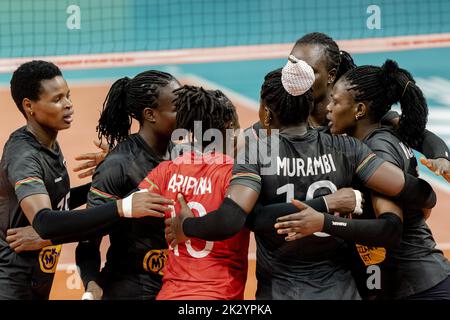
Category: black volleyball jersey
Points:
column 303, row 167
column 29, row 168
column 416, row 265
column 137, row 245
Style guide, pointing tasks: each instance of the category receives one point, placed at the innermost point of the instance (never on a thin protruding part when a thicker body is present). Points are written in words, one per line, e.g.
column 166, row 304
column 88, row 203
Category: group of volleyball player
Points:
column 179, row 214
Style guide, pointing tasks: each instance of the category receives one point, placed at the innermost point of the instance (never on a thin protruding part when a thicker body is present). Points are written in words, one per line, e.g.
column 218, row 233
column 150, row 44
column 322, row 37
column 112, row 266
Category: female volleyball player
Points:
column 414, row 269
column 138, row 250
column 35, row 185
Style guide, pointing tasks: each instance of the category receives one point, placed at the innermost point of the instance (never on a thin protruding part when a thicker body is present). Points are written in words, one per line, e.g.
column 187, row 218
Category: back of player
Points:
column 199, row 269
column 307, row 166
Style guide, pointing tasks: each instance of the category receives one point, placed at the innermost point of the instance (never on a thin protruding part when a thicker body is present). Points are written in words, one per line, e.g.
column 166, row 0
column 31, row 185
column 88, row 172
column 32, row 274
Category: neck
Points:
column 45, row 136
column 299, row 130
column 157, row 143
column 318, row 116
column 364, row 128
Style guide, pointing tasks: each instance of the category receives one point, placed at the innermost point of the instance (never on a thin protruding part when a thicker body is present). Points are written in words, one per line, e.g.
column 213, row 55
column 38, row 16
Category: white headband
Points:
column 297, row 76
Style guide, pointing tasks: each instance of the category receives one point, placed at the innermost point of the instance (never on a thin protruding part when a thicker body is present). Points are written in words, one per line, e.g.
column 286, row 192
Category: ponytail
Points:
column 115, row 120
column 381, row 87
column 126, row 100
column 401, row 87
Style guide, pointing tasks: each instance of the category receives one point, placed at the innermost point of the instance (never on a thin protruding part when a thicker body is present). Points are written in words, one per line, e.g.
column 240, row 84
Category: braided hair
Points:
column 211, row 107
column 289, row 109
column 381, row 87
column 126, row 99
column 339, row 59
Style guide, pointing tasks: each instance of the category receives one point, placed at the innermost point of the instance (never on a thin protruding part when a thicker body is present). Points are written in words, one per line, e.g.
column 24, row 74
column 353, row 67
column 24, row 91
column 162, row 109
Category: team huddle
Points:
column 180, row 197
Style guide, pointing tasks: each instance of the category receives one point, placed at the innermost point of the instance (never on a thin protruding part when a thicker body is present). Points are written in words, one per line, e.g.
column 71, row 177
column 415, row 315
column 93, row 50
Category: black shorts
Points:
column 23, row 284
column 123, row 286
column 441, row 291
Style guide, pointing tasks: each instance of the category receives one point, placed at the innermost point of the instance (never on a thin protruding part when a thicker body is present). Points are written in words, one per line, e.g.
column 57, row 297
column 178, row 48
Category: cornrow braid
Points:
column 290, row 110
column 339, row 59
column 126, row 99
column 381, row 87
column 211, row 107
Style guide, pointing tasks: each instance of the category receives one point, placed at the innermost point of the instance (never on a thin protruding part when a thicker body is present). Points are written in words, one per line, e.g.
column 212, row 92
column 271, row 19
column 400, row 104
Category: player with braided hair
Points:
column 201, row 269
column 359, row 100
column 137, row 251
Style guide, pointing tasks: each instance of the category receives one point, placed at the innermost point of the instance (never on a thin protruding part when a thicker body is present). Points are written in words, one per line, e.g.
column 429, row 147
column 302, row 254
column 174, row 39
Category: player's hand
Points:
column 345, row 200
column 300, row 224
column 93, row 291
column 174, row 226
column 439, row 166
column 94, row 159
column 143, row 203
column 25, row 239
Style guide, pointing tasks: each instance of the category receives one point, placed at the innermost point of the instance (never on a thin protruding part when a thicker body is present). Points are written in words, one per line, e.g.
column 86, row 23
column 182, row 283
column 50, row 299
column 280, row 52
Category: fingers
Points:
column 447, row 177
column 87, row 173
column 158, row 207
column 158, row 199
column 11, row 238
column 11, row 231
column 19, row 249
column 87, row 156
column 181, row 200
column 288, row 224
column 153, row 213
column 102, row 145
column 299, row 204
column 289, row 217
column 288, row 230
column 85, row 165
column 14, row 244
column 294, row 237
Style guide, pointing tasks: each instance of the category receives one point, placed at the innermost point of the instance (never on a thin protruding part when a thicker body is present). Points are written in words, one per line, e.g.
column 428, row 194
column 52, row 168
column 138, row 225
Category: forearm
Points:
column 386, row 231
column 217, row 225
column 411, row 191
column 86, row 235
column 51, row 224
column 88, row 260
column 78, row 195
column 433, row 147
column 416, row 194
column 263, row 218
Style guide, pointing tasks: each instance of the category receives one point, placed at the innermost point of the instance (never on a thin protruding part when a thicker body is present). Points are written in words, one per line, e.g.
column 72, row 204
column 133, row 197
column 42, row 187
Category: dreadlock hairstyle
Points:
column 290, row 110
column 339, row 59
column 211, row 107
column 126, row 99
column 381, row 87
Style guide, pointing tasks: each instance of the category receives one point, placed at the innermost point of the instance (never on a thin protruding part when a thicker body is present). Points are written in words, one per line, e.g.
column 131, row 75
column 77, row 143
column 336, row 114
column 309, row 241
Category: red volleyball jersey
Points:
column 200, row 269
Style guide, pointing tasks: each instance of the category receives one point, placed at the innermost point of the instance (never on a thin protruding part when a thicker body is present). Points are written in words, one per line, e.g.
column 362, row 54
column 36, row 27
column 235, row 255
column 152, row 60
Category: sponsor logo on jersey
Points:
column 371, row 255
column 48, row 258
column 155, row 260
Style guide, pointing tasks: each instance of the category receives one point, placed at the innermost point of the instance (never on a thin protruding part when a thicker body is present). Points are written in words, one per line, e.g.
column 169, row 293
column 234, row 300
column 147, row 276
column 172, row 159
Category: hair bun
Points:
column 297, row 76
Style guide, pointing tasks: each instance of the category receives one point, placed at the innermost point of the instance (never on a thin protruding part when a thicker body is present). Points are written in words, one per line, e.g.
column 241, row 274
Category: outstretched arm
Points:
column 385, row 231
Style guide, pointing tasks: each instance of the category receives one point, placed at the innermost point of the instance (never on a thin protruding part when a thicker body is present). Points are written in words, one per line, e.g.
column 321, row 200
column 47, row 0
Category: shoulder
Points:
column 339, row 142
column 382, row 138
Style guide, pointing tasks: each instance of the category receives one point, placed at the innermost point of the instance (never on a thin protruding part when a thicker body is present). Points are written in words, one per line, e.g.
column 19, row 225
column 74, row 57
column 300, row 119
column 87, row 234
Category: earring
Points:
column 267, row 122
column 32, row 113
column 357, row 117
